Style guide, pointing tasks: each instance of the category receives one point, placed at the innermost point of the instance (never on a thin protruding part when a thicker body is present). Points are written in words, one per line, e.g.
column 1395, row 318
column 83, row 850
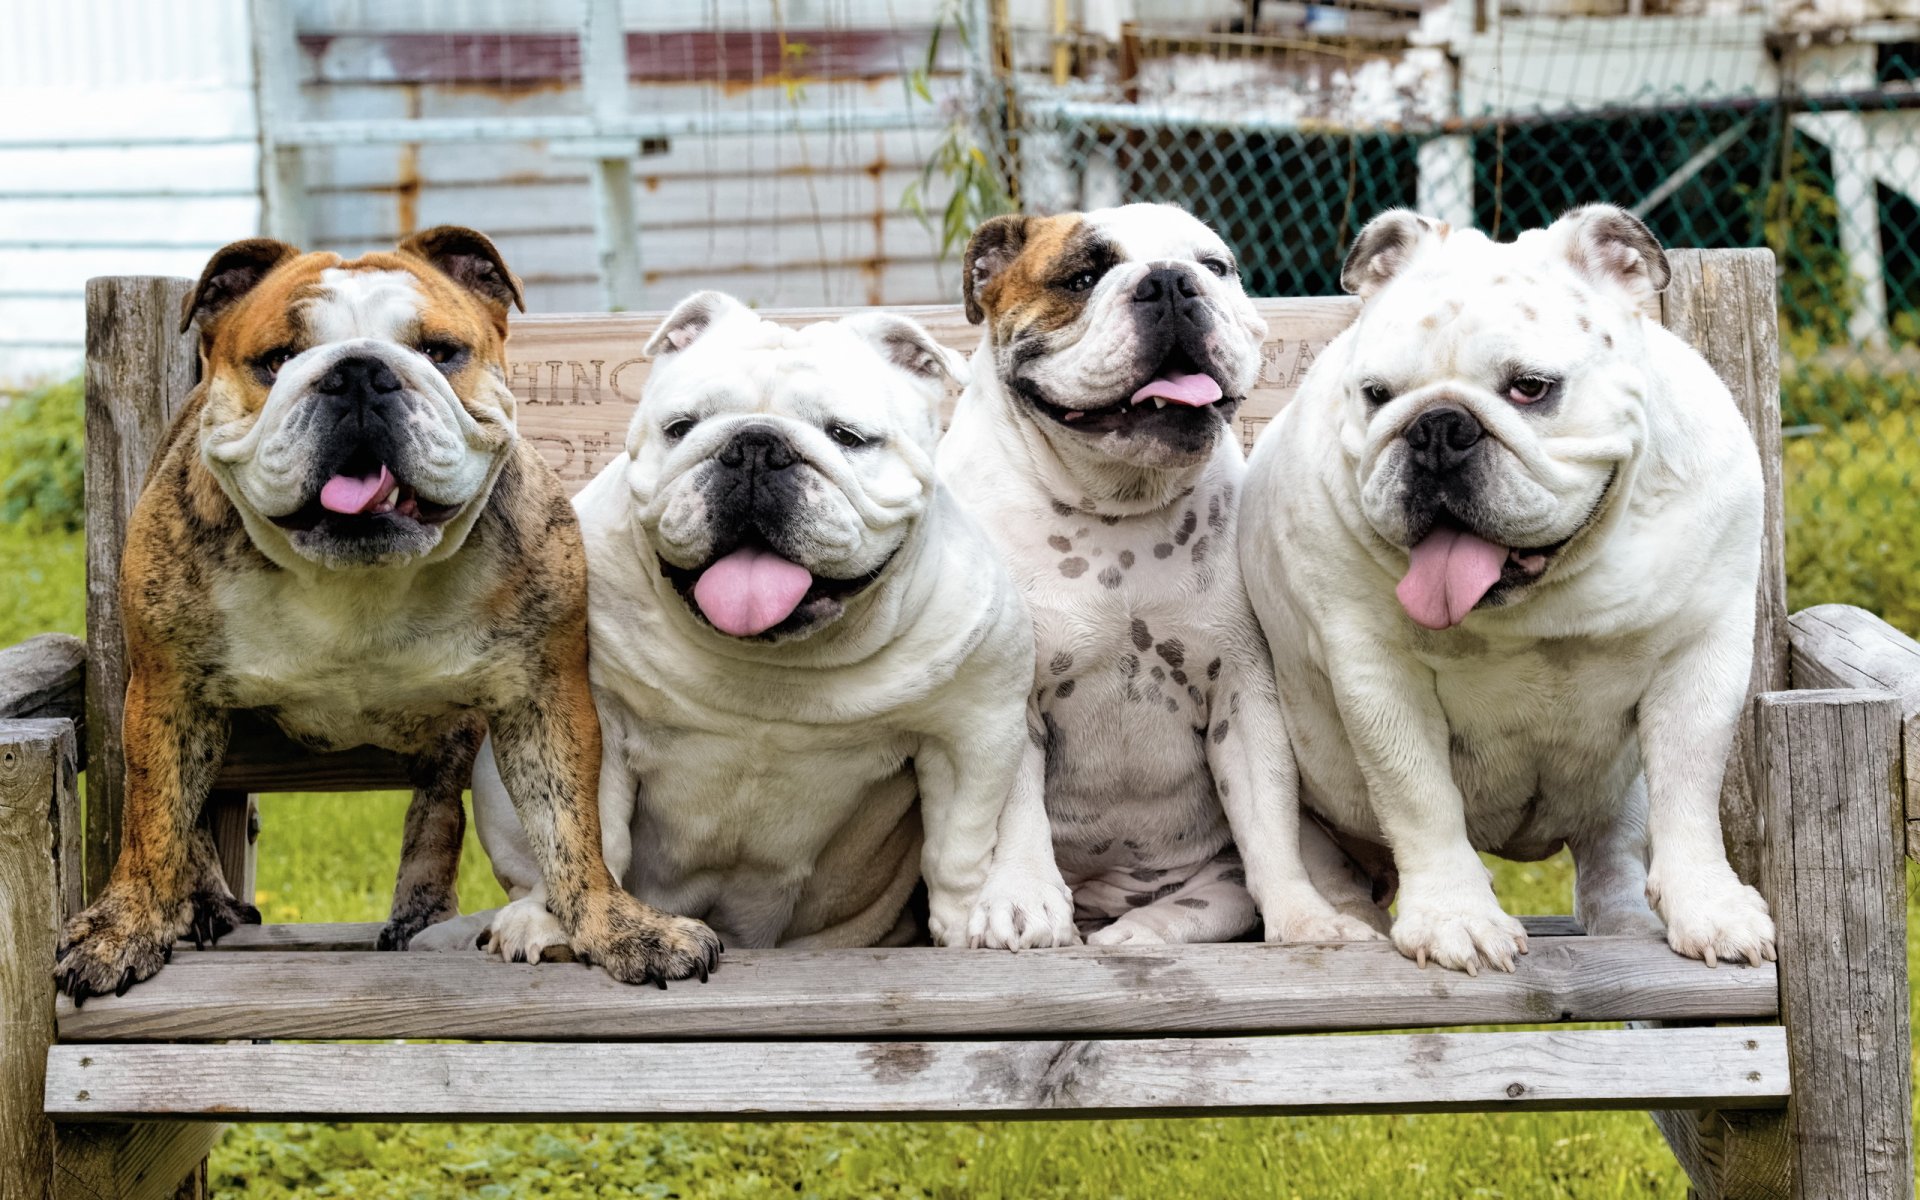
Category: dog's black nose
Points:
column 762, row 449
column 1442, row 437
column 1165, row 284
column 359, row 375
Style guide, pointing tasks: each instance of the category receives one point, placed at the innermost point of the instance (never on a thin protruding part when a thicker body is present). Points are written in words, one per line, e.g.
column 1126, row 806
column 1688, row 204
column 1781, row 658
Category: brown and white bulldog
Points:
column 1095, row 443
column 343, row 531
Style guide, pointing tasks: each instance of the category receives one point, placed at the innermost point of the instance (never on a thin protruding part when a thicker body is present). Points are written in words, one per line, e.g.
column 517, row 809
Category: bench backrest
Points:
column 578, row 377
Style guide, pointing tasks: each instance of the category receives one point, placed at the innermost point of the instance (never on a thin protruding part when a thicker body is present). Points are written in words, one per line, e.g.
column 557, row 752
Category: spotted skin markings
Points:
column 1188, row 524
column 1061, row 510
column 1060, row 543
column 1061, row 663
column 1173, row 651
column 1126, row 558
column 1064, row 690
column 1213, row 669
column 1216, row 516
column 1142, row 639
column 1200, row 548
column 1193, row 902
column 1073, row 568
column 1163, row 550
column 1220, row 731
column 1110, row 577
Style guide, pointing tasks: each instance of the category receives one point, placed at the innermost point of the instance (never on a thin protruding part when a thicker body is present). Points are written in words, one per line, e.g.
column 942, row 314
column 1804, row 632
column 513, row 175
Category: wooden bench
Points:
column 1767, row 1082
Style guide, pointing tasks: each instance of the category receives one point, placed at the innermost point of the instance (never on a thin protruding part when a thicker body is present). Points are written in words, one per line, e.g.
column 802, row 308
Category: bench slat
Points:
column 1507, row 1071
column 1214, row 989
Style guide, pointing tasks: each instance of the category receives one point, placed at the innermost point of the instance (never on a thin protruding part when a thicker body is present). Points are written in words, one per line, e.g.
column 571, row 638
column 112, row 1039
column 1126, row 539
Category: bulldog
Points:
column 796, row 635
column 1504, row 544
column 342, row 531
column 1095, row 443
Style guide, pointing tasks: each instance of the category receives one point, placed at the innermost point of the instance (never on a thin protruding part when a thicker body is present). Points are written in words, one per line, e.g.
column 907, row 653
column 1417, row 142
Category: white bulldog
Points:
column 1505, row 544
column 1095, row 442
column 794, row 634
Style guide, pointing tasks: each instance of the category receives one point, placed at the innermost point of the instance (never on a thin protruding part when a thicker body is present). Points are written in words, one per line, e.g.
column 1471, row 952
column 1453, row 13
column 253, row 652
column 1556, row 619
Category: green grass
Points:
column 331, row 857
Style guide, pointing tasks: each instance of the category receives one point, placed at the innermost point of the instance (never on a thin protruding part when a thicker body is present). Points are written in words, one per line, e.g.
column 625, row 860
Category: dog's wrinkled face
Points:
column 1494, row 395
column 357, row 412
column 1124, row 333
column 776, row 472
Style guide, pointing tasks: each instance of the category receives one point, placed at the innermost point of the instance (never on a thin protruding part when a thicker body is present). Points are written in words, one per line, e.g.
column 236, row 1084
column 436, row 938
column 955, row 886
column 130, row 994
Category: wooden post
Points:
column 1723, row 302
column 39, row 810
column 140, row 369
column 1834, row 876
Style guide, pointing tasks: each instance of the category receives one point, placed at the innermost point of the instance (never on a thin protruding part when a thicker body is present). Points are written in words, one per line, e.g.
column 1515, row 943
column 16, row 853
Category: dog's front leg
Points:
column 1025, row 902
column 426, row 890
column 1687, row 721
column 966, row 779
column 1251, row 758
column 547, row 746
column 1399, row 734
column 166, row 882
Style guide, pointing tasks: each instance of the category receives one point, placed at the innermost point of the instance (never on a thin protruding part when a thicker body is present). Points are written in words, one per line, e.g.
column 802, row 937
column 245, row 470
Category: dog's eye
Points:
column 442, row 352
column 269, row 364
column 678, row 428
column 1219, row 266
column 1376, row 393
column 1082, row 281
column 847, row 436
column 1528, row 389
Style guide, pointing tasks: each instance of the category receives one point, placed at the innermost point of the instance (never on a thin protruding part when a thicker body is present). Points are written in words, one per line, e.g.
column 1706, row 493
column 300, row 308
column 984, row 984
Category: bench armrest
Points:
column 1839, row 646
column 44, row 677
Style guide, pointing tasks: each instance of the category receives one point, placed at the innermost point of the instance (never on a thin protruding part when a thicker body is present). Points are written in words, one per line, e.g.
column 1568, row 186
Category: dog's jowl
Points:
column 1505, row 544
column 343, row 531
column 810, row 665
column 1095, row 441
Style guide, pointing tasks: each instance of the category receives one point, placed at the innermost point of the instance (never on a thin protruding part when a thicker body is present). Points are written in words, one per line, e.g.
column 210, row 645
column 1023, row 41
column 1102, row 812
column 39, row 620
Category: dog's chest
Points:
column 338, row 671
column 1542, row 738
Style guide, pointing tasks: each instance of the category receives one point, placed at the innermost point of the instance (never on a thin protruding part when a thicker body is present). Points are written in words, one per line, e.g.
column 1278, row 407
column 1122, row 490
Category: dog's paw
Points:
column 1021, row 911
column 524, row 931
column 638, row 944
column 1309, row 918
column 1127, row 933
column 1459, row 935
column 116, row 943
column 1713, row 916
column 408, row 920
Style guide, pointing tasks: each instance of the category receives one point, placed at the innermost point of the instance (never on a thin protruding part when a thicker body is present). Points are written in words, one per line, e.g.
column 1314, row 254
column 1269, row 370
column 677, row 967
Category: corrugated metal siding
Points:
column 129, row 147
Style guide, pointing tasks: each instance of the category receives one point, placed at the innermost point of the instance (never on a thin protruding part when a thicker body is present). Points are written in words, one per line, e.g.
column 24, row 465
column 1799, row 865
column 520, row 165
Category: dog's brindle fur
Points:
column 494, row 634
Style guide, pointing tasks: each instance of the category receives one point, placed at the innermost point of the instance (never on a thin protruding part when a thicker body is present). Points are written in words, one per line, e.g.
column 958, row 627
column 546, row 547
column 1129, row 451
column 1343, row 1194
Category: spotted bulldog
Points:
column 342, row 532
column 1095, row 441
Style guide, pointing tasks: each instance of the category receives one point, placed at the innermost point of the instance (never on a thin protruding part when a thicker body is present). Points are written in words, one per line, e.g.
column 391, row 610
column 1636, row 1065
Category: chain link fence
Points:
column 1720, row 131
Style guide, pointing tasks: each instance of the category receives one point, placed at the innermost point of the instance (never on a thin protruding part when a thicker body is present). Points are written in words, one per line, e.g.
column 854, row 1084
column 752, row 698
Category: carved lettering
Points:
column 613, row 379
column 590, row 383
column 1302, row 362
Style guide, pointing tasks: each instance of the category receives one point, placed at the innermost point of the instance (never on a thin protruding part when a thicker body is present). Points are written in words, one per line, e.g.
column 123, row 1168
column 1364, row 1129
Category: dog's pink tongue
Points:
column 1194, row 391
column 750, row 591
column 1450, row 571
column 347, row 494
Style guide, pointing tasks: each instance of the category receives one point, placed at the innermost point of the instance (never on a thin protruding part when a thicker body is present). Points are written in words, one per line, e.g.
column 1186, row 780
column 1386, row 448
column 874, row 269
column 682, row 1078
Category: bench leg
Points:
column 37, row 782
column 1830, row 772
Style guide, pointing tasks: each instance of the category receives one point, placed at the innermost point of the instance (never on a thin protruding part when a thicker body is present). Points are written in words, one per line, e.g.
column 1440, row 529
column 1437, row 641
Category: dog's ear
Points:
column 1385, row 247
column 1611, row 245
column 906, row 344
column 996, row 243
column 691, row 318
column 470, row 259
column 231, row 273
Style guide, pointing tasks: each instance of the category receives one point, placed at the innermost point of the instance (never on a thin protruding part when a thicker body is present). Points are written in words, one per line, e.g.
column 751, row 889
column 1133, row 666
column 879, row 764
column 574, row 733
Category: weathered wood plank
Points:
column 578, row 376
column 1839, row 646
column 1731, row 1154
column 43, row 677
column 139, row 371
column 144, row 1161
column 1235, row 988
column 1834, row 878
column 36, row 793
column 1723, row 303
column 362, row 935
column 1432, row 1072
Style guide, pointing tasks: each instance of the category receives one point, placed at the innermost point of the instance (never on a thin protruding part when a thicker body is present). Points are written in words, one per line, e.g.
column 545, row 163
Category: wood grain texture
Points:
column 139, row 371
column 1834, row 878
column 1722, row 302
column 36, row 791
column 1731, row 1154
column 44, row 676
column 144, row 1161
column 1085, row 991
column 1839, row 646
column 577, row 376
column 1429, row 1072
